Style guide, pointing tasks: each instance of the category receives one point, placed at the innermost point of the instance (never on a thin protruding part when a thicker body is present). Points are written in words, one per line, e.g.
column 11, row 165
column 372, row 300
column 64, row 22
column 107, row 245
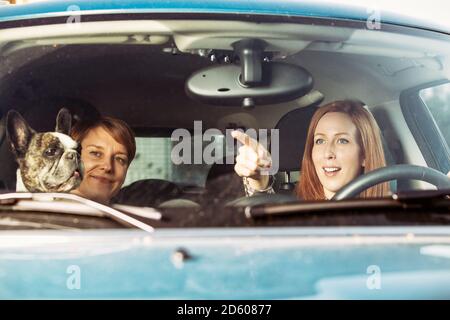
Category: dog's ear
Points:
column 18, row 132
column 63, row 121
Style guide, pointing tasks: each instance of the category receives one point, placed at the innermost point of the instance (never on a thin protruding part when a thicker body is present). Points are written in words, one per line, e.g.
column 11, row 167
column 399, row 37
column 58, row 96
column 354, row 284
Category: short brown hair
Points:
column 369, row 138
column 118, row 129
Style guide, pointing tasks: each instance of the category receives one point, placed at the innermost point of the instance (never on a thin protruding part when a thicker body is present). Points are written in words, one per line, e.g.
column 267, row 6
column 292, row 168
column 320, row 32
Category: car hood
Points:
column 276, row 263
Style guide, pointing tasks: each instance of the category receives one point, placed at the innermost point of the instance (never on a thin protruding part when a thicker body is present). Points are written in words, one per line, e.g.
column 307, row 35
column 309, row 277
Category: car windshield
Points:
column 185, row 84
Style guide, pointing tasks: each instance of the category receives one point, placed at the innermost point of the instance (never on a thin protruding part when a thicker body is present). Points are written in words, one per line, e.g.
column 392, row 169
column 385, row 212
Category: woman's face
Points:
column 105, row 163
column 336, row 153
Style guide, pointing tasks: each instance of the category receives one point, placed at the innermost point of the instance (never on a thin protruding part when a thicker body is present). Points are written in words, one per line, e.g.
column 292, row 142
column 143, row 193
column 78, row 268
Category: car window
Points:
column 153, row 161
column 437, row 99
column 192, row 83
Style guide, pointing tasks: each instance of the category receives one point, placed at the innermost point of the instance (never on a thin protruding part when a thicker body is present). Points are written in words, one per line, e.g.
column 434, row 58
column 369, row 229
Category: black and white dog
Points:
column 48, row 161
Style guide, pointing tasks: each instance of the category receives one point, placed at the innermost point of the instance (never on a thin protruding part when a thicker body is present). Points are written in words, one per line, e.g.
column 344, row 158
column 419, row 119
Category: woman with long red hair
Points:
column 343, row 142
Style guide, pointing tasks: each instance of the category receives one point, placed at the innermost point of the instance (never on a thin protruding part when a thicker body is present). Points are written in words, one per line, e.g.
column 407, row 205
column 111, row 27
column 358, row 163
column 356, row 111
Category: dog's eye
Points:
column 50, row 152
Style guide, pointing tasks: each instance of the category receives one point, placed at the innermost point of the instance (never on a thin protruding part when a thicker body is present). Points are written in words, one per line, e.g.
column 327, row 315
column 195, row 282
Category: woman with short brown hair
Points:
column 107, row 148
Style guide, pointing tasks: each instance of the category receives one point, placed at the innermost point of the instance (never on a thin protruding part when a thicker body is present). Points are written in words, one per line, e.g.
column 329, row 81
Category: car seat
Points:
column 147, row 192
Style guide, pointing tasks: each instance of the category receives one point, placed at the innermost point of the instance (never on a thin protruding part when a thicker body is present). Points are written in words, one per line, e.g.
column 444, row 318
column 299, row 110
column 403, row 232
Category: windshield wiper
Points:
column 411, row 200
column 49, row 202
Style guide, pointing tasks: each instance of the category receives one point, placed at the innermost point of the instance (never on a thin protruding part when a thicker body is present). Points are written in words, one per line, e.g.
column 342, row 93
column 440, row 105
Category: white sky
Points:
column 438, row 10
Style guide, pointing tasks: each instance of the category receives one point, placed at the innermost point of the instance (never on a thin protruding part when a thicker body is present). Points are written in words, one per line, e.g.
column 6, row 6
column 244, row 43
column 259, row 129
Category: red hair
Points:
column 369, row 138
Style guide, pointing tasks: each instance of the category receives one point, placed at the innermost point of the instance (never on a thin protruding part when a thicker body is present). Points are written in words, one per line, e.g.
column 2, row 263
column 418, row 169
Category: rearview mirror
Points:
column 255, row 81
column 222, row 85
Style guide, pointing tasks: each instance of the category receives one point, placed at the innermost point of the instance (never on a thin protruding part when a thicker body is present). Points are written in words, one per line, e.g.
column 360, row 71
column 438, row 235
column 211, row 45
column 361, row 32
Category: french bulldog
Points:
column 48, row 161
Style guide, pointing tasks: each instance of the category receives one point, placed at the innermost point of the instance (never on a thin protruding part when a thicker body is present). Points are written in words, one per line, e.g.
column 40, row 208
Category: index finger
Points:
column 244, row 138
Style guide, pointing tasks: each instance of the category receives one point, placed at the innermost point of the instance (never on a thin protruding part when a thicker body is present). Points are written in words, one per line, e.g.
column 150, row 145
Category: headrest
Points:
column 293, row 128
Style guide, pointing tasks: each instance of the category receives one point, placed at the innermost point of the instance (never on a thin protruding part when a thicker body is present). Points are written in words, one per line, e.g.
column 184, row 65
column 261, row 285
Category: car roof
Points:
column 355, row 10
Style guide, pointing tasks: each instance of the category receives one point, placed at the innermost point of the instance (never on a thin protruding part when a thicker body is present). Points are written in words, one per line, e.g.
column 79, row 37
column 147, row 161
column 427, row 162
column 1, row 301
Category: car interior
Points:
column 139, row 71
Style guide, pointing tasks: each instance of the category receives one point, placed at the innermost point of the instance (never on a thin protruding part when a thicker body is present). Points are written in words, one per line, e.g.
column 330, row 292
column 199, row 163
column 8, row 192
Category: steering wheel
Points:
column 400, row 171
column 358, row 185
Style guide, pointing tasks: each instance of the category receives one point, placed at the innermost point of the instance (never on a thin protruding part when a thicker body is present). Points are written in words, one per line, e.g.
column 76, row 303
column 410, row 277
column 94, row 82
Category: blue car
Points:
column 185, row 222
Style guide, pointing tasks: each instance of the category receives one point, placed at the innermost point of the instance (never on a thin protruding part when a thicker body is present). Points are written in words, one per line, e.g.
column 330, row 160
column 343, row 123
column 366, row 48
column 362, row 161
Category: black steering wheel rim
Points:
column 399, row 171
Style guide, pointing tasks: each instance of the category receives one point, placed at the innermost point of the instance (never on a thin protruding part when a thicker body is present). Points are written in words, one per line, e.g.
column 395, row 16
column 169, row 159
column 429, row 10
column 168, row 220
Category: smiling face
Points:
column 336, row 152
column 105, row 163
